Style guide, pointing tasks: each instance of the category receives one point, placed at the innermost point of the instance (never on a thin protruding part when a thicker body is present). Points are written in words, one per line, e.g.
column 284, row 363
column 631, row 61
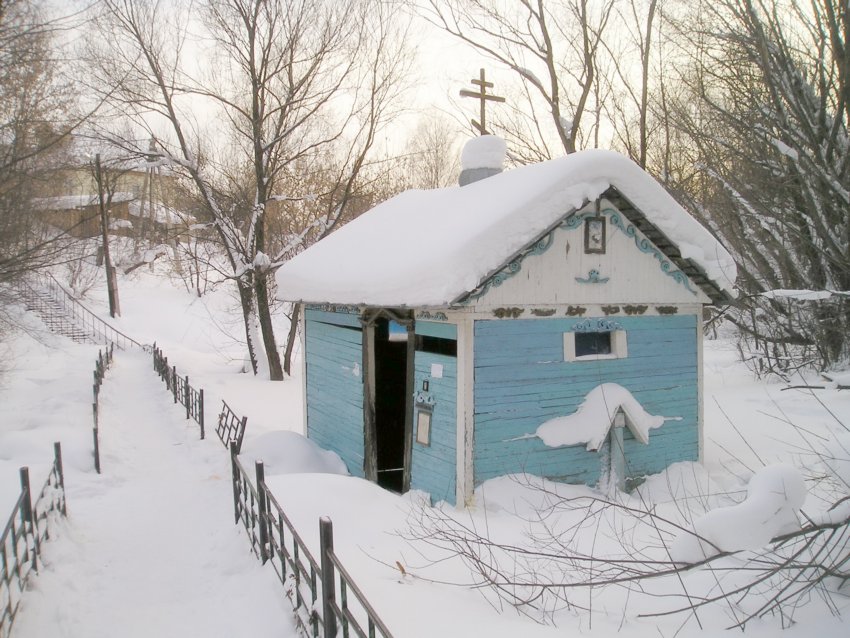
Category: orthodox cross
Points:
column 483, row 96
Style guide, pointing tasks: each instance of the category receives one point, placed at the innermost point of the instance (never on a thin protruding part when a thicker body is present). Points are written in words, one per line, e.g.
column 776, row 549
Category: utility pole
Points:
column 104, row 200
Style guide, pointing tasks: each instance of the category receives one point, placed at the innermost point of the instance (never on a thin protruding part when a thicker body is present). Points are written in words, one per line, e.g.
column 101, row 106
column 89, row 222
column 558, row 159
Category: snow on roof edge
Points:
column 460, row 235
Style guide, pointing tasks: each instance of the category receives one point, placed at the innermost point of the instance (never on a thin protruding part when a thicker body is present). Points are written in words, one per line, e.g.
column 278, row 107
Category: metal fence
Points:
column 27, row 528
column 230, row 428
column 100, row 330
column 100, row 367
column 189, row 397
column 323, row 593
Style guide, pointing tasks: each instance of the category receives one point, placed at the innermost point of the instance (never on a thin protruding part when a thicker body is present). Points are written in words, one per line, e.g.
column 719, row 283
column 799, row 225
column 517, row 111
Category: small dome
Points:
column 486, row 151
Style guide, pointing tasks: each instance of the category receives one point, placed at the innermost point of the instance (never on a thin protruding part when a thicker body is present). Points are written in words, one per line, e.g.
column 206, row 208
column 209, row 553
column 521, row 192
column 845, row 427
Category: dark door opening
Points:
column 391, row 404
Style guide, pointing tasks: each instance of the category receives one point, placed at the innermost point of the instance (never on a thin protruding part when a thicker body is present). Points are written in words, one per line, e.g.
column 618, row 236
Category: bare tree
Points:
column 765, row 124
column 290, row 80
column 36, row 114
column 552, row 47
column 640, row 26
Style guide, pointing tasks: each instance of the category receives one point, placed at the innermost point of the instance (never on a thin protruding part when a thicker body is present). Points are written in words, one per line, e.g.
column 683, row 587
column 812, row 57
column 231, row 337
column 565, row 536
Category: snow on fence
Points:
column 230, row 428
column 100, row 367
column 185, row 394
column 321, row 609
column 27, row 528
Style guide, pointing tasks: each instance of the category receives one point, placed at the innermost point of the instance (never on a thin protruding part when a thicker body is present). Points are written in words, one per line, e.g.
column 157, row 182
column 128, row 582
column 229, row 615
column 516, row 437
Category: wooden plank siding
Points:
column 522, row 380
column 334, row 383
column 433, row 466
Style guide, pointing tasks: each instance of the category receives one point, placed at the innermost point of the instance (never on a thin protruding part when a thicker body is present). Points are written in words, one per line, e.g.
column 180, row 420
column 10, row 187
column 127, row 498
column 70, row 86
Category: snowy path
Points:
column 150, row 548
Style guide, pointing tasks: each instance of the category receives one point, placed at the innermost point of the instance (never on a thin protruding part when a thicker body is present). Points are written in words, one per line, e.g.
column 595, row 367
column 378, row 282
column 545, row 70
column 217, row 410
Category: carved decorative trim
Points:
column 542, row 312
column 425, row 315
column 571, row 223
column 646, row 246
column 635, row 310
column 538, row 248
column 576, row 311
column 329, row 307
column 643, row 244
column 508, row 313
column 610, row 310
column 596, row 325
column 667, row 310
column 592, row 278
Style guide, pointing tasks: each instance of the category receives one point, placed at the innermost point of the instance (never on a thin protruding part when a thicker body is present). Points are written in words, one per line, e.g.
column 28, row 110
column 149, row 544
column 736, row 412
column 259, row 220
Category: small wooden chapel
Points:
column 544, row 320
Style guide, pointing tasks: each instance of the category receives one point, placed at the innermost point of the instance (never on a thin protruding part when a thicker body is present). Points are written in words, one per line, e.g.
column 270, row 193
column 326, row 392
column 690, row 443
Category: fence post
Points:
column 201, row 409
column 326, row 546
column 60, row 472
column 235, row 478
column 27, row 515
column 95, row 437
column 262, row 507
column 174, row 382
column 187, row 399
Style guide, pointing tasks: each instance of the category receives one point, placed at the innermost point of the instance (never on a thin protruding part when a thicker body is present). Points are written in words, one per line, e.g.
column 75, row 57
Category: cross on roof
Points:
column 483, row 96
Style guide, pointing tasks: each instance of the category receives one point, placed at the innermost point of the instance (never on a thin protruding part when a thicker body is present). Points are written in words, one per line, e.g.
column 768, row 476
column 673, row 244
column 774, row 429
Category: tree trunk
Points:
column 103, row 204
column 265, row 318
column 290, row 338
column 246, row 301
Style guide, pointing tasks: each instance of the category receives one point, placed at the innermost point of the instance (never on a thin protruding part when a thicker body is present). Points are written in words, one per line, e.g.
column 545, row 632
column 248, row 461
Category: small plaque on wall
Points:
column 594, row 235
column 423, row 427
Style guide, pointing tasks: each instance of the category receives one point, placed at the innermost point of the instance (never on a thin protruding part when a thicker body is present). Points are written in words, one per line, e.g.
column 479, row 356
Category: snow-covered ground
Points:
column 196, row 563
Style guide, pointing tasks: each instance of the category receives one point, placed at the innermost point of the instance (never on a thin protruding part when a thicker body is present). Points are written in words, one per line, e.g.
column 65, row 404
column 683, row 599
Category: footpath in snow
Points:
column 149, row 547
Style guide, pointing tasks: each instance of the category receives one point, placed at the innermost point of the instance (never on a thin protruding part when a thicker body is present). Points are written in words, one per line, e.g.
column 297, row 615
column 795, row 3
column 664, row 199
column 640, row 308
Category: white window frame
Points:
column 619, row 347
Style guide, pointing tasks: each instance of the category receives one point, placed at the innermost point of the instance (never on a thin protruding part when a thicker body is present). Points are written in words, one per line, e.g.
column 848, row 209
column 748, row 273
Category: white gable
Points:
column 630, row 271
column 428, row 248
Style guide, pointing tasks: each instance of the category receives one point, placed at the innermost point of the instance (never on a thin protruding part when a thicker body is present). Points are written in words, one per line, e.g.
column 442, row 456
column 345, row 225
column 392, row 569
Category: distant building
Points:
column 142, row 201
column 545, row 320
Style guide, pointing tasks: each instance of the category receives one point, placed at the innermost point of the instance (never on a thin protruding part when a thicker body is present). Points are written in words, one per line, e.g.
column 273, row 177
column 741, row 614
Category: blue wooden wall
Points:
column 522, row 380
column 334, row 358
column 433, row 467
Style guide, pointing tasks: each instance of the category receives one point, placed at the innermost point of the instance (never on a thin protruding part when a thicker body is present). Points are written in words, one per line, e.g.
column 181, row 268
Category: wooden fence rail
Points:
column 321, row 608
column 100, row 367
column 27, row 528
column 183, row 393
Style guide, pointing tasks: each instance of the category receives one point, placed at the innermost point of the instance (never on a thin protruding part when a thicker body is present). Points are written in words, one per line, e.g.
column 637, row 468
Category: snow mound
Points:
column 526, row 495
column 594, row 417
column 774, row 495
column 486, row 151
column 291, row 453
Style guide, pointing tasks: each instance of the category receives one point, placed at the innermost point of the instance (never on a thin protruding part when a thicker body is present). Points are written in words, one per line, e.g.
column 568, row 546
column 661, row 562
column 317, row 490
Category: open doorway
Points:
column 392, row 404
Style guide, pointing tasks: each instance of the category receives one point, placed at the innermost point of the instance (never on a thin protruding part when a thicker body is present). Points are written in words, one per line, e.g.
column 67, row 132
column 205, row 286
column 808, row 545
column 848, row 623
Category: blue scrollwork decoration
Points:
column 596, row 325
column 537, row 248
column 592, row 278
column 571, row 223
column 424, row 400
column 646, row 246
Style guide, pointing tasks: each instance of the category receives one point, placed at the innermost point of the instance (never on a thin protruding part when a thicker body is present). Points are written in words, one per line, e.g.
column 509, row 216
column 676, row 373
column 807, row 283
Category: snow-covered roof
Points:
column 162, row 214
column 429, row 248
column 70, row 202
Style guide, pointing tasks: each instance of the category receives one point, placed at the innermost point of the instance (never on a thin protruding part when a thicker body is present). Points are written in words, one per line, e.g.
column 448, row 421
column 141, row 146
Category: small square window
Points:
column 590, row 343
column 592, row 346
